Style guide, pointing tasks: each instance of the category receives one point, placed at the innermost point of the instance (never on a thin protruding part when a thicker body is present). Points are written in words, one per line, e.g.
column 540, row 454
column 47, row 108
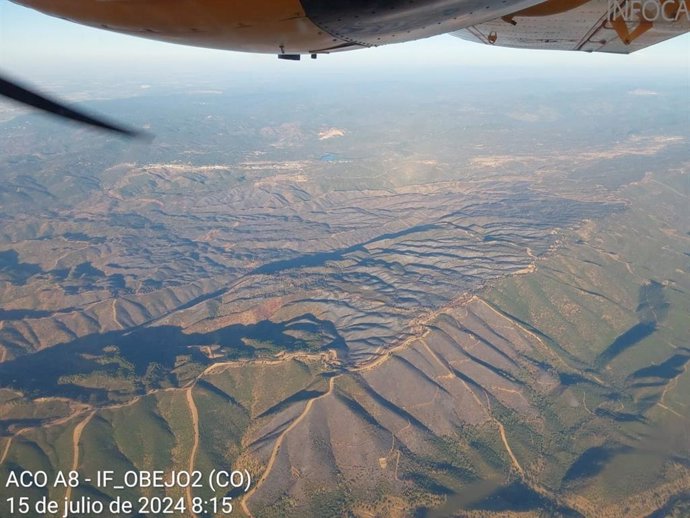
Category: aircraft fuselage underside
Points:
column 281, row 26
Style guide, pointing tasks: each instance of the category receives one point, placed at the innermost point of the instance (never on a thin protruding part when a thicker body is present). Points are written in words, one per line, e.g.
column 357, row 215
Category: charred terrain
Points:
column 430, row 299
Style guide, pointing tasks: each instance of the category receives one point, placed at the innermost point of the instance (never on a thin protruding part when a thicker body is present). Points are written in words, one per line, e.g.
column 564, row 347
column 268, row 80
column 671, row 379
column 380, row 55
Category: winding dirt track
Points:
column 279, row 442
column 516, row 464
column 193, row 411
column 116, row 321
column 76, row 436
column 8, row 445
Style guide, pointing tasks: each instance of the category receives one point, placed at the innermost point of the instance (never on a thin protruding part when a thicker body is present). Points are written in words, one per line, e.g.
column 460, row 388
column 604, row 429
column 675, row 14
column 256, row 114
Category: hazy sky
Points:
column 34, row 45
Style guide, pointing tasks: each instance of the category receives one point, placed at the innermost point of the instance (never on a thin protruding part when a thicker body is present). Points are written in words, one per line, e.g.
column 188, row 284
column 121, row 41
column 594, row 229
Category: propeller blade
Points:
column 20, row 94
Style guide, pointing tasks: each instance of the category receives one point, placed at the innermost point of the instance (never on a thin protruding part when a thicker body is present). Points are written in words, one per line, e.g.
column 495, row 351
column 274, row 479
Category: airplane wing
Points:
column 614, row 26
